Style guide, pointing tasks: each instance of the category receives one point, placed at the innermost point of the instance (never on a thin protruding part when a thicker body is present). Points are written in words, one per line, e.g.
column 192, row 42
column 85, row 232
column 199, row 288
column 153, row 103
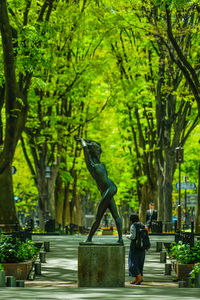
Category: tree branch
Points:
column 146, row 163
column 194, row 124
column 183, row 61
column 28, row 5
column 9, row 66
column 28, row 160
column 89, row 120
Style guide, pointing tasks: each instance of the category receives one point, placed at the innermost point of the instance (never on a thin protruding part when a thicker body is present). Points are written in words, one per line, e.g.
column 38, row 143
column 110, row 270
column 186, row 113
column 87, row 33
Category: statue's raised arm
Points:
column 86, row 144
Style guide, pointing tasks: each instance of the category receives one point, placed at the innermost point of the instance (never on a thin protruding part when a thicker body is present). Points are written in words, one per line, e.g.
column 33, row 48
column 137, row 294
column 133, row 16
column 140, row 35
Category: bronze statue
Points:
column 107, row 188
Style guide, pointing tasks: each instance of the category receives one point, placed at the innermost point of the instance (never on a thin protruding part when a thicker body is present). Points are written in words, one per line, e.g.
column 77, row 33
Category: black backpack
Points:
column 142, row 238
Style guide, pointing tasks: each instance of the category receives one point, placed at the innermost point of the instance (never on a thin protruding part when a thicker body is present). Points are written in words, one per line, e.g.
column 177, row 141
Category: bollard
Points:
column 188, row 282
column 197, row 280
column 11, row 281
column 20, row 283
column 47, row 246
column 38, row 268
column 42, row 257
column 168, row 269
column 2, row 278
column 163, row 256
column 38, row 244
column 158, row 246
column 31, row 275
column 181, row 284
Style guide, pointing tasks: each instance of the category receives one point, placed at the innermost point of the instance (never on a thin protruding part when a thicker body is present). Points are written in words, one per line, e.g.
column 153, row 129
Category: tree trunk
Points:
column 160, row 198
column 159, row 175
column 42, row 202
column 74, row 197
column 51, row 190
column 65, row 210
column 15, row 118
column 149, row 194
column 78, row 209
column 59, row 198
column 7, row 206
column 169, row 168
column 197, row 219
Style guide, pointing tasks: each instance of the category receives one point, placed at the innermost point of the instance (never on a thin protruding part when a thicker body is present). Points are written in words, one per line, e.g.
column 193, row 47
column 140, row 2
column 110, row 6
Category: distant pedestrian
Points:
column 136, row 255
column 151, row 215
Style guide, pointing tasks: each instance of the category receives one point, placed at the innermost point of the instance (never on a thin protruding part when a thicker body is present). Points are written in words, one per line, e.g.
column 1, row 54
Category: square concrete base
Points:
column 101, row 265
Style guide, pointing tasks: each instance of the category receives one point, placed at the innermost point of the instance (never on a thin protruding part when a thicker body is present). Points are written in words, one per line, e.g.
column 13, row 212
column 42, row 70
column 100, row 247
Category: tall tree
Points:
column 14, row 94
column 162, row 81
column 60, row 100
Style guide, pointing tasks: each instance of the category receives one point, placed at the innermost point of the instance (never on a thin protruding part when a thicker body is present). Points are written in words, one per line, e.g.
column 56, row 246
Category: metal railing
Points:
column 185, row 237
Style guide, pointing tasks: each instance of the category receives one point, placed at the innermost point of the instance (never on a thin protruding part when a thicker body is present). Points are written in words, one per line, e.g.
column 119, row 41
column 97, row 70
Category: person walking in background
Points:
column 151, row 215
column 136, row 255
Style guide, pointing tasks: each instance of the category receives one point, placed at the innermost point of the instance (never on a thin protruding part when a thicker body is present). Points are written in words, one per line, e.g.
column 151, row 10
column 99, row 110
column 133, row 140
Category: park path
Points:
column 61, row 266
column 59, row 276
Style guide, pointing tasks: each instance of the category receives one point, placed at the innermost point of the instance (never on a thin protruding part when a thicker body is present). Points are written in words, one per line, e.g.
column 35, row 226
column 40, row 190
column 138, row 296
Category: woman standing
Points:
column 136, row 255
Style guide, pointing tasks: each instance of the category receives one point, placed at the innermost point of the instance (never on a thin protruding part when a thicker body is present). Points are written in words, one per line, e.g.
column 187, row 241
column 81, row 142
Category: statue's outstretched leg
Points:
column 113, row 209
column 100, row 212
column 103, row 205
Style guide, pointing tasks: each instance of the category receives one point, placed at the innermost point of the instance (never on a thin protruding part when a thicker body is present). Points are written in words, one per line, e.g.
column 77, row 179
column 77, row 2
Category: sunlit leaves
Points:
column 174, row 3
column 83, row 58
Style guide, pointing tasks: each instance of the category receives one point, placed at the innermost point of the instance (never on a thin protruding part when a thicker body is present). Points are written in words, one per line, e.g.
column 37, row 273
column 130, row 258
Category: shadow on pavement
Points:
column 59, row 276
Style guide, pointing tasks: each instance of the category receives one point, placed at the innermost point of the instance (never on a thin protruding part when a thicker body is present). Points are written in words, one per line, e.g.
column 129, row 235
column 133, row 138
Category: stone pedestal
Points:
column 101, row 265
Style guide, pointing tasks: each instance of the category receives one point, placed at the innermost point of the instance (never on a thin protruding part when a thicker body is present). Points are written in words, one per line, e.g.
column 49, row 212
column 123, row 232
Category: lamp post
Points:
column 179, row 160
column 47, row 176
column 185, row 179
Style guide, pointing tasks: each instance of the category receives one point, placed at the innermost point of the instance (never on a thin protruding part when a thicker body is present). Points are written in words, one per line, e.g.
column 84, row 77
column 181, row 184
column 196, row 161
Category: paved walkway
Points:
column 59, row 276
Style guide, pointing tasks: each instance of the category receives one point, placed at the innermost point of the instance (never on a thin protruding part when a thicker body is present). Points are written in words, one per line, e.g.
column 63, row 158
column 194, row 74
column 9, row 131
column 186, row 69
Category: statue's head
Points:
column 94, row 148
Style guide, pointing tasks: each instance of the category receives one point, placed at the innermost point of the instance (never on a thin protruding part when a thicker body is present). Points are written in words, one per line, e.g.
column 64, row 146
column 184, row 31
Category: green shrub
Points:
column 184, row 254
column 13, row 250
column 196, row 269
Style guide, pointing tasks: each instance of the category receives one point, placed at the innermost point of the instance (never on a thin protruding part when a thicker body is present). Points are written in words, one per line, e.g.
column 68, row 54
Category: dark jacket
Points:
column 150, row 216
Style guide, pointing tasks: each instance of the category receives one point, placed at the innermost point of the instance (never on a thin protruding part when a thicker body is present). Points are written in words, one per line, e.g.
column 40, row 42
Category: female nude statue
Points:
column 107, row 188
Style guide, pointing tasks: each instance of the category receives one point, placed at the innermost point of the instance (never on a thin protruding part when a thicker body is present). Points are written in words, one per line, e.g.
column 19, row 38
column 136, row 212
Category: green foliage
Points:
column 185, row 254
column 173, row 3
column 81, row 58
column 1, row 267
column 195, row 270
column 13, row 250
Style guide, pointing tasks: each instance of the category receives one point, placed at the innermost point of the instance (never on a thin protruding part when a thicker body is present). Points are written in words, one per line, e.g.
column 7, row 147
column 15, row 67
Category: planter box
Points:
column 20, row 270
column 183, row 270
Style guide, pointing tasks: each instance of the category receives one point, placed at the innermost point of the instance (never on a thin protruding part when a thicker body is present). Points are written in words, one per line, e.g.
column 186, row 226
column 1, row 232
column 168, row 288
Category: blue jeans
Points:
column 135, row 260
